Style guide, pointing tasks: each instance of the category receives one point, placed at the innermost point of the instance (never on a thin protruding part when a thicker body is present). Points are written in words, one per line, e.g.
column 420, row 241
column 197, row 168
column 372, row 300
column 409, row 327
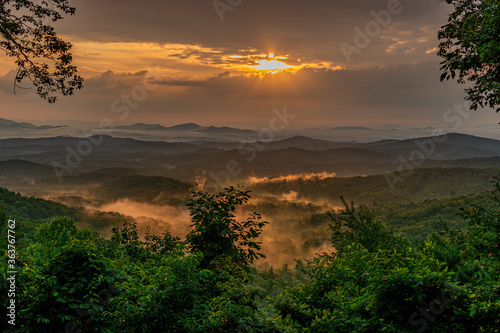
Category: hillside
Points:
column 293, row 155
column 148, row 189
column 13, row 125
column 435, row 183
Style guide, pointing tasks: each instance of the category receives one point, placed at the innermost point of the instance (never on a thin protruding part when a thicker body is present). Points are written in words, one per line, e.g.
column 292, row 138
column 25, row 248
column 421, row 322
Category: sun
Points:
column 272, row 64
column 263, row 64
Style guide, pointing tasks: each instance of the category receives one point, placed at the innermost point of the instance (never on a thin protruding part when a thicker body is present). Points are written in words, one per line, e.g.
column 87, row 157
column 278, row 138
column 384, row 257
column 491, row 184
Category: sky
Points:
column 232, row 62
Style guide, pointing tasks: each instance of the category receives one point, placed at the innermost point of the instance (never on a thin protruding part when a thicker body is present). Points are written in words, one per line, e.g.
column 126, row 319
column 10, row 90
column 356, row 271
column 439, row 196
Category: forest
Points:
column 360, row 196
column 381, row 277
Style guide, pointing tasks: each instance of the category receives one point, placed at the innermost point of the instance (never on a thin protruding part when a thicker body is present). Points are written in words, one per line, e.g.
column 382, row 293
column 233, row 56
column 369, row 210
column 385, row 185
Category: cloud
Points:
column 204, row 64
column 310, row 31
column 400, row 93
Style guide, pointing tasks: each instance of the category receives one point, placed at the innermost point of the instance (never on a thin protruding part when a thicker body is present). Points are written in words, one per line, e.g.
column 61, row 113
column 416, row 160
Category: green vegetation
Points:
column 447, row 284
column 29, row 212
column 471, row 50
column 419, row 185
column 148, row 189
column 27, row 38
column 217, row 234
column 73, row 279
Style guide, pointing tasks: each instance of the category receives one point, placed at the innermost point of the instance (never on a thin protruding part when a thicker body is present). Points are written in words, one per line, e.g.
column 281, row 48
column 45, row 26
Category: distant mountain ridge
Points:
column 456, row 139
column 300, row 142
column 186, row 127
column 295, row 154
column 193, row 132
column 10, row 124
column 352, row 128
column 158, row 127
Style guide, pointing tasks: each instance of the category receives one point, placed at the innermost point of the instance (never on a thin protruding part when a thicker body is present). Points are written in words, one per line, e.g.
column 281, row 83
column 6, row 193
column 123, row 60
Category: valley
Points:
column 294, row 182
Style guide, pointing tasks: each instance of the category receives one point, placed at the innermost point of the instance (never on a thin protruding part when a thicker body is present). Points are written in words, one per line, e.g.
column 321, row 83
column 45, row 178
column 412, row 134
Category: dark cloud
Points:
column 307, row 30
column 404, row 93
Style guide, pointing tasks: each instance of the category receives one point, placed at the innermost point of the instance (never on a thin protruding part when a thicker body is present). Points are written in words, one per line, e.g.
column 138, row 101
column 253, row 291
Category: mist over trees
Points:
column 73, row 279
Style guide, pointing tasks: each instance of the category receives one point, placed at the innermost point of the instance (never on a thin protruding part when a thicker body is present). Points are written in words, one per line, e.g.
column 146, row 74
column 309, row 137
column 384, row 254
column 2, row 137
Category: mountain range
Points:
column 192, row 132
column 185, row 127
column 6, row 124
column 293, row 155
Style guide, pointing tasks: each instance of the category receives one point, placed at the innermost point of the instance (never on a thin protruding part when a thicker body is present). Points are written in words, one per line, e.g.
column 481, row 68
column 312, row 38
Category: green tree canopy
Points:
column 40, row 55
column 360, row 225
column 217, row 234
column 470, row 47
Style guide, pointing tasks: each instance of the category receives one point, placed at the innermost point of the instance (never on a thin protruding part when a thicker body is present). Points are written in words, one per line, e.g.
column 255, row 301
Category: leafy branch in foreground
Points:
column 470, row 48
column 41, row 56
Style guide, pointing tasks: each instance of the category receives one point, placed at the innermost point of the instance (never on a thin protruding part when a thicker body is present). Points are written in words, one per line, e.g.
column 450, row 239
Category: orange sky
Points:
column 332, row 62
